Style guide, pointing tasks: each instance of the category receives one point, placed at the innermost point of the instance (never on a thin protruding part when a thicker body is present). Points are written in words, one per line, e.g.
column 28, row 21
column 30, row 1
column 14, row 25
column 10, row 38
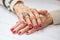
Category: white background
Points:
column 8, row 19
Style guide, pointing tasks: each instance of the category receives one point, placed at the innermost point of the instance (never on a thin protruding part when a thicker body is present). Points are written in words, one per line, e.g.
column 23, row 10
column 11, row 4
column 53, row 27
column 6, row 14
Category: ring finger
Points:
column 32, row 17
column 27, row 19
column 35, row 12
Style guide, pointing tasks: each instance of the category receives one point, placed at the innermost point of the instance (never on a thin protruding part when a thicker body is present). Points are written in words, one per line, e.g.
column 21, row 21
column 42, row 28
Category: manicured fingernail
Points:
column 30, row 25
column 40, row 25
column 12, row 29
column 14, row 32
column 27, row 32
column 19, row 33
column 36, row 27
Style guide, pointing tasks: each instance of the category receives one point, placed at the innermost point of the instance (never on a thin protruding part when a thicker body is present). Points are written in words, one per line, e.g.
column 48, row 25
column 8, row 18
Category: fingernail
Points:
column 27, row 32
column 30, row 25
column 19, row 33
column 14, row 32
column 12, row 29
column 36, row 27
column 40, row 25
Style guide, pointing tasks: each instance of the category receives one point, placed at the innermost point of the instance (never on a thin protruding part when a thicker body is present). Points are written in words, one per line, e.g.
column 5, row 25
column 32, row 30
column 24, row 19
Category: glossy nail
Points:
column 36, row 27
column 12, row 29
column 30, row 25
column 27, row 32
column 14, row 32
column 40, row 25
column 19, row 33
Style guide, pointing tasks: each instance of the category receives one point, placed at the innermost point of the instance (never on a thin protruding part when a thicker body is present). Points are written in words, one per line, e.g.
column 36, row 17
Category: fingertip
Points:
column 19, row 33
column 30, row 25
column 27, row 32
column 14, row 32
column 40, row 25
column 12, row 29
column 35, row 27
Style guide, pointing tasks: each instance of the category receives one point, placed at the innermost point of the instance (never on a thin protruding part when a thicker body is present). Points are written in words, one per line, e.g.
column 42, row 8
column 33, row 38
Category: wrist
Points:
column 18, row 4
column 51, row 19
column 17, row 7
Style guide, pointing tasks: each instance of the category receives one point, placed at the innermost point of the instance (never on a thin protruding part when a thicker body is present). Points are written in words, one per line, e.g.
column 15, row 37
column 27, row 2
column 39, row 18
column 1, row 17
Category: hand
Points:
column 30, row 19
column 22, row 27
column 45, row 16
column 21, row 9
column 46, row 20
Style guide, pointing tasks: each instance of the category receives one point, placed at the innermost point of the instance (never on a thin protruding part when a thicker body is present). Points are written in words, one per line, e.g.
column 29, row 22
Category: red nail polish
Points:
column 12, row 29
column 14, row 32
column 30, row 25
column 19, row 33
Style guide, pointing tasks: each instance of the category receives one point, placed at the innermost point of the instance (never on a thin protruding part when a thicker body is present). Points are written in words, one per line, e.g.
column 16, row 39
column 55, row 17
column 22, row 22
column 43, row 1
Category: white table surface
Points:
column 8, row 19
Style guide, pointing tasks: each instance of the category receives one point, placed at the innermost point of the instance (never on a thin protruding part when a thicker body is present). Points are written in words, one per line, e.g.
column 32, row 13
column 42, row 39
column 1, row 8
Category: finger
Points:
column 35, row 12
column 28, row 21
column 32, row 17
column 43, row 12
column 15, row 25
column 32, row 30
column 18, row 28
column 23, row 30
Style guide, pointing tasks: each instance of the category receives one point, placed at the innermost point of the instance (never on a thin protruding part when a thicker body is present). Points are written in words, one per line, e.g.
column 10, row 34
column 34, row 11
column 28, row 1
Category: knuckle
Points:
column 23, row 21
column 37, row 16
column 32, row 17
column 27, row 16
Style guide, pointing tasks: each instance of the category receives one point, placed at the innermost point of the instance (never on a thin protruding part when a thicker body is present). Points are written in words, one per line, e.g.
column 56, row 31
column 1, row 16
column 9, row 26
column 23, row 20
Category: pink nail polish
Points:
column 19, row 33
column 40, row 25
column 36, row 27
column 14, row 32
column 27, row 32
column 30, row 25
column 12, row 29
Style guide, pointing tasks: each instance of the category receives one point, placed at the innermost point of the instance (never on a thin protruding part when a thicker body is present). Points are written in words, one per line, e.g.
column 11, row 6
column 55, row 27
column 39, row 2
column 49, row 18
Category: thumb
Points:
column 43, row 12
